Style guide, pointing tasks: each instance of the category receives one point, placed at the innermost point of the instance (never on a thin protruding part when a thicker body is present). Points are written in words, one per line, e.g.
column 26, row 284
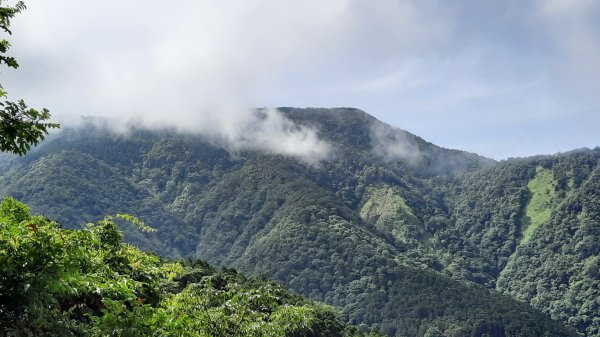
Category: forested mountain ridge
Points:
column 406, row 237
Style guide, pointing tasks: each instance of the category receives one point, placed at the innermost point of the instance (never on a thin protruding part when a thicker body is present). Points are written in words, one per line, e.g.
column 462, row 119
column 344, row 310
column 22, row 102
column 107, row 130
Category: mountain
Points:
column 408, row 238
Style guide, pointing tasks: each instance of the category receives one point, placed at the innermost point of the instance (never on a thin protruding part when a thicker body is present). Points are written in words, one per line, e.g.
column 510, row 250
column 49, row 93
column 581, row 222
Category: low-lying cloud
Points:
column 394, row 144
column 269, row 130
column 202, row 66
column 266, row 130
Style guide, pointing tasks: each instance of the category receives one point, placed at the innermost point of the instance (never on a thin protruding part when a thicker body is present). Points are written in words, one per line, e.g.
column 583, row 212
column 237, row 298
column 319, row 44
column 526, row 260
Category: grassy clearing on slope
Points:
column 389, row 211
column 539, row 208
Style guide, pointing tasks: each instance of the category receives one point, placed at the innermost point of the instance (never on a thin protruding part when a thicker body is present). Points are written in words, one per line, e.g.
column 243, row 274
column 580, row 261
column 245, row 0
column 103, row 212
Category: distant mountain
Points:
column 408, row 238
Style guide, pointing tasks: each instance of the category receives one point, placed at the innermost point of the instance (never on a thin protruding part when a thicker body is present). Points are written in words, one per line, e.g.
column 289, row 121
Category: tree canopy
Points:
column 86, row 282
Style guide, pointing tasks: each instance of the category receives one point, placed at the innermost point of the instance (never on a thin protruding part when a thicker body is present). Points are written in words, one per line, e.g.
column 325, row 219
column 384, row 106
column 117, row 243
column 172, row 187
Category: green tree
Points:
column 20, row 126
column 87, row 282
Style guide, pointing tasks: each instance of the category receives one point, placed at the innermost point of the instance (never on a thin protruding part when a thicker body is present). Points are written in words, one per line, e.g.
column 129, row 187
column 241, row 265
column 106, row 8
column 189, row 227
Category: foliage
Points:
column 6, row 14
column 557, row 269
column 20, row 126
column 400, row 249
column 387, row 209
column 551, row 199
column 538, row 211
column 58, row 282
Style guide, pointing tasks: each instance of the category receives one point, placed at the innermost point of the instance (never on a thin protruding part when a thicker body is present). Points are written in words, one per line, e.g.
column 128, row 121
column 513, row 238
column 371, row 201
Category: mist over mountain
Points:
column 408, row 238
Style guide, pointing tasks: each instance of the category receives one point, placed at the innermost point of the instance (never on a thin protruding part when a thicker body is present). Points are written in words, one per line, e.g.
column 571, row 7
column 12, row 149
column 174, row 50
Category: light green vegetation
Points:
column 387, row 210
column 539, row 209
column 86, row 282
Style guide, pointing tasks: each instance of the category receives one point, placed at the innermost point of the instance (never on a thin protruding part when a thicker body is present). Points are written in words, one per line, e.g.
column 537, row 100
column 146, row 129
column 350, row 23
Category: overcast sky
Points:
column 499, row 78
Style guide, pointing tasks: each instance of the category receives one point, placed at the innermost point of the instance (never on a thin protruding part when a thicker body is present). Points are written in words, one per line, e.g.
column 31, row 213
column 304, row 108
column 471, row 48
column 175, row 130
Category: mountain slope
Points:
column 558, row 269
column 405, row 236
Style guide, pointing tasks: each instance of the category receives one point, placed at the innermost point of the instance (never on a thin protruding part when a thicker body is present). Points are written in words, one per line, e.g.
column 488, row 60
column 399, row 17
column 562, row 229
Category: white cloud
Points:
column 201, row 65
column 194, row 65
column 269, row 129
column 394, row 144
column 574, row 28
column 424, row 65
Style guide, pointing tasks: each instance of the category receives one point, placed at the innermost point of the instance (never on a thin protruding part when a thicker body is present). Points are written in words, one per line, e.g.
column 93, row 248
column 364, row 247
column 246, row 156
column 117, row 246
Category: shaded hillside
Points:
column 405, row 236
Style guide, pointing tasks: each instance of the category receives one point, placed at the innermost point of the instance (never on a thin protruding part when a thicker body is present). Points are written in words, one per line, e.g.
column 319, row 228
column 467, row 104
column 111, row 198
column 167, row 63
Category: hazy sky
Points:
column 500, row 78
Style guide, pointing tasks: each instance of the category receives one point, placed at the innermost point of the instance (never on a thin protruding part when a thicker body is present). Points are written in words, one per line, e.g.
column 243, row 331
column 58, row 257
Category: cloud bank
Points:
column 269, row 130
column 481, row 76
column 193, row 65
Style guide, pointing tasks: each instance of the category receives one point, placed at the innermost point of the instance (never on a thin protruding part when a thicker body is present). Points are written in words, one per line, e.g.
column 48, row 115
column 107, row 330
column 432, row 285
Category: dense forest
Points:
column 87, row 282
column 439, row 243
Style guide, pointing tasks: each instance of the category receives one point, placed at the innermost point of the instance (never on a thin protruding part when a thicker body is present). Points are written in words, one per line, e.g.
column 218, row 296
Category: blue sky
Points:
column 499, row 78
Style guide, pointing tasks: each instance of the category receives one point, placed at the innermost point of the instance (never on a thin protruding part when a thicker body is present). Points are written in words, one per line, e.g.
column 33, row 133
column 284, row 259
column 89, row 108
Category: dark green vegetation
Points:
column 405, row 237
column 86, row 282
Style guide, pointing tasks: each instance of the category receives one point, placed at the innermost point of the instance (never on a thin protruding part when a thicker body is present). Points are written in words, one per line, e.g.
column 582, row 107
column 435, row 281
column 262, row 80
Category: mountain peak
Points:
column 351, row 130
